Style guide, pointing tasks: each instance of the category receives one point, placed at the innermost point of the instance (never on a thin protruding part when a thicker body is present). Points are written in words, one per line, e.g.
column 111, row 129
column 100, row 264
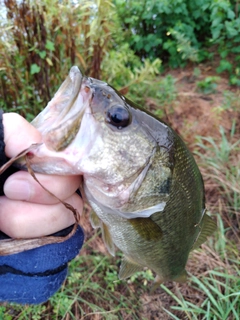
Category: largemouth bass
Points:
column 142, row 182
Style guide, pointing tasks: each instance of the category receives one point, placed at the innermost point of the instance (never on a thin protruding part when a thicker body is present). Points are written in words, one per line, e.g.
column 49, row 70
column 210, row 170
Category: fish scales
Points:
column 183, row 212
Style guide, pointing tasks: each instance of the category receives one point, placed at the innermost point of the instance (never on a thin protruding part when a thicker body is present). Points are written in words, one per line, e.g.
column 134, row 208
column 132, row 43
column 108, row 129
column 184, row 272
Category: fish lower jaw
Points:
column 58, row 166
column 44, row 160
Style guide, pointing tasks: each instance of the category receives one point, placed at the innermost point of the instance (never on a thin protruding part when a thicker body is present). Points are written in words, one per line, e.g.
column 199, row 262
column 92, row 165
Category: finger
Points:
column 22, row 186
column 19, row 219
column 18, row 134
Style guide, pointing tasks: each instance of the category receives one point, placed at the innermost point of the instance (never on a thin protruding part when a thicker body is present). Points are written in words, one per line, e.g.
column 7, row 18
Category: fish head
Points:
column 90, row 129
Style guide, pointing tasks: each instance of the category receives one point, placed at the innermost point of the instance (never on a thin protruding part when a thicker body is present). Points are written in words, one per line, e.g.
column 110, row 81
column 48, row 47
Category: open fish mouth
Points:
column 59, row 124
column 60, row 121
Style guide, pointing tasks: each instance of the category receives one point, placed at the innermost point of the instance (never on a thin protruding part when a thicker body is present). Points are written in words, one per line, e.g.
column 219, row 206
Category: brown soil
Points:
column 196, row 113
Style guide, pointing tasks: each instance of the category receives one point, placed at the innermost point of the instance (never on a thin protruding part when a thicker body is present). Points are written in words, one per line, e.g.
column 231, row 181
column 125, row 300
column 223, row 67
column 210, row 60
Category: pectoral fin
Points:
column 95, row 221
column 182, row 277
column 208, row 226
column 157, row 282
column 128, row 268
column 146, row 228
column 108, row 239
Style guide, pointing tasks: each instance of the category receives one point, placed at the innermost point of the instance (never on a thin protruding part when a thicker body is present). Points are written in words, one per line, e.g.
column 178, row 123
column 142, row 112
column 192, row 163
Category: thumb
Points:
column 18, row 134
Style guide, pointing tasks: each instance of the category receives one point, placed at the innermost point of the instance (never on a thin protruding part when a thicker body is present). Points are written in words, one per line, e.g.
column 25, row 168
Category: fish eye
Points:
column 118, row 116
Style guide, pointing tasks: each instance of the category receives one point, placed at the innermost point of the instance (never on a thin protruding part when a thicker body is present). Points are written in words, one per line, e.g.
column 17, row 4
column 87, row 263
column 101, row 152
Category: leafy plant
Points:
column 166, row 29
column 231, row 101
column 38, row 47
column 125, row 71
column 184, row 30
column 183, row 46
column 225, row 28
column 221, row 160
column 208, row 85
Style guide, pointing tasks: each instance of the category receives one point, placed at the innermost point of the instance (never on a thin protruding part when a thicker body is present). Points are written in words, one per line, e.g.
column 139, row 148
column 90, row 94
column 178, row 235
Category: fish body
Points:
column 142, row 182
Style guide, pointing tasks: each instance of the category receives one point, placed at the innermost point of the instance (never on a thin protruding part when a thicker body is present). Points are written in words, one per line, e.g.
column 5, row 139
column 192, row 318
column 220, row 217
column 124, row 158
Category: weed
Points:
column 38, row 47
column 208, row 85
column 196, row 72
column 231, row 101
column 217, row 288
column 221, row 298
column 125, row 71
column 221, row 160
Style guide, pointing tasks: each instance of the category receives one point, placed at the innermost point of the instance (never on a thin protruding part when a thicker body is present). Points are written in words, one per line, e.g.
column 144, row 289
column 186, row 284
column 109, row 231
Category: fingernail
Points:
column 17, row 189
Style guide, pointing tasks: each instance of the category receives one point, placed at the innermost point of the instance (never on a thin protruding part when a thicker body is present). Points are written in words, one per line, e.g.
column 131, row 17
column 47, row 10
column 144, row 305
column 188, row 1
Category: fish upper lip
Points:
column 74, row 86
column 64, row 111
column 61, row 102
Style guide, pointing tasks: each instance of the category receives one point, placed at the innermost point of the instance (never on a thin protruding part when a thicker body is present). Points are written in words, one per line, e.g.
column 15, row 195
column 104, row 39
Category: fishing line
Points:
column 12, row 246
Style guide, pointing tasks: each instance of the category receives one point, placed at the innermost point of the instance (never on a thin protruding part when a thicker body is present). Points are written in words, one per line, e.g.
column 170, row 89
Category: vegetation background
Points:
column 180, row 59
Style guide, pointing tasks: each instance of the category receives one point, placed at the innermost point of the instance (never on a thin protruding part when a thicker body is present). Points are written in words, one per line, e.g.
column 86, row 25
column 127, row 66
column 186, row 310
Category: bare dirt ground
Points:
column 196, row 113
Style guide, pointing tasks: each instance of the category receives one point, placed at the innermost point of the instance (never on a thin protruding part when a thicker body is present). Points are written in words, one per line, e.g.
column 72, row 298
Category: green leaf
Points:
column 148, row 47
column 137, row 38
column 42, row 54
column 234, row 80
column 230, row 29
column 224, row 53
column 49, row 45
column 216, row 22
column 216, row 31
column 230, row 14
column 224, row 65
column 236, row 39
column 34, row 68
column 235, row 50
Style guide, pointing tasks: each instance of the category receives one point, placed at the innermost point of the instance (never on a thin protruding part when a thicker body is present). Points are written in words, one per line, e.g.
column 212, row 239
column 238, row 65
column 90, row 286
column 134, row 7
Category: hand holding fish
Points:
column 27, row 210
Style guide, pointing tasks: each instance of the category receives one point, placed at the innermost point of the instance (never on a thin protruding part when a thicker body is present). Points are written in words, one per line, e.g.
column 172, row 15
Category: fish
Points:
column 139, row 177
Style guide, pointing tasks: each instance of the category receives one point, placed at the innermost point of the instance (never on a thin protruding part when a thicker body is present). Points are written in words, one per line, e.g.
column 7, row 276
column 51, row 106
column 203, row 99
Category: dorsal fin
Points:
column 128, row 268
column 208, row 226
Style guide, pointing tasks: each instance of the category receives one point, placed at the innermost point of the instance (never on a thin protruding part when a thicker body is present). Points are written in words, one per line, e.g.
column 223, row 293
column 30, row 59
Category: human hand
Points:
column 27, row 210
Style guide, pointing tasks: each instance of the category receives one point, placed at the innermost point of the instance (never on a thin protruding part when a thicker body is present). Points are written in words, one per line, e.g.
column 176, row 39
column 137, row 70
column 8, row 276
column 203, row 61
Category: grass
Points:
column 214, row 293
column 231, row 100
column 221, row 164
column 221, row 300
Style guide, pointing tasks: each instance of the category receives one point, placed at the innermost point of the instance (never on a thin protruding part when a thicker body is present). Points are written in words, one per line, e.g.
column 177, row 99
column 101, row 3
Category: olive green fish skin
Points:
column 181, row 216
column 139, row 177
column 173, row 176
column 166, row 253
